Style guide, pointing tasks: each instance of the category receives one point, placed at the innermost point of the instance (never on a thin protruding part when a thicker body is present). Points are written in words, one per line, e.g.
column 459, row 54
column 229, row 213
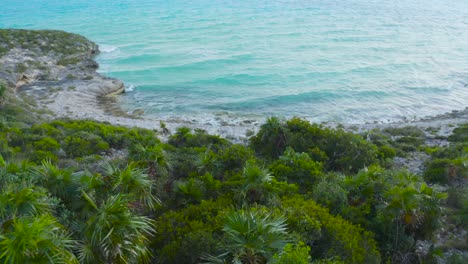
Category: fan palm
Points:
column 113, row 234
column 271, row 140
column 135, row 183
column 18, row 201
column 153, row 157
column 37, row 239
column 255, row 182
column 253, row 237
column 61, row 183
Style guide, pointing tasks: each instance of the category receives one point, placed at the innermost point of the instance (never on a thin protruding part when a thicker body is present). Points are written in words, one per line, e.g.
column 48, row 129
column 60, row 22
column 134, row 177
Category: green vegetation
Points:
column 3, row 93
column 79, row 191
column 397, row 140
column 68, row 61
column 45, row 41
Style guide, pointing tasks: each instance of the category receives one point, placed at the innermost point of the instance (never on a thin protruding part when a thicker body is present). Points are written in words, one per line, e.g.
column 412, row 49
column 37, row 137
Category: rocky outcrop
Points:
column 54, row 66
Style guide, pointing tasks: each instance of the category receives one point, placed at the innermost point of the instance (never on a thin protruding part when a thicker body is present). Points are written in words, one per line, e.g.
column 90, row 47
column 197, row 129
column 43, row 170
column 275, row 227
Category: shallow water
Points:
column 348, row 61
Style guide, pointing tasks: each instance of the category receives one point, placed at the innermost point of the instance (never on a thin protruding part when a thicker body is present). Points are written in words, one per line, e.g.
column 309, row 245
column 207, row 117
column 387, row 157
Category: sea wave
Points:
column 129, row 88
column 107, row 48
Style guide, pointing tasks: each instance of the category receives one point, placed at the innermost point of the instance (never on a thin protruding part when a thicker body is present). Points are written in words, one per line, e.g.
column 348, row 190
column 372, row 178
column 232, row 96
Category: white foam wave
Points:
column 129, row 88
column 107, row 48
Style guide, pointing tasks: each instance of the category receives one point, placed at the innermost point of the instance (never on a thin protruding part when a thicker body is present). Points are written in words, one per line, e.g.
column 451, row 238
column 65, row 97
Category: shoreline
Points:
column 69, row 86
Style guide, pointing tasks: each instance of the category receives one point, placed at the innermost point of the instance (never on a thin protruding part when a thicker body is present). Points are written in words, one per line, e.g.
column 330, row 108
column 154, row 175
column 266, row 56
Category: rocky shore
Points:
column 57, row 71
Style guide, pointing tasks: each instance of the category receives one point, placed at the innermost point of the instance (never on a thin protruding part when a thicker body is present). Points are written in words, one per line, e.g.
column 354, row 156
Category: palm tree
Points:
column 255, row 185
column 37, row 239
column 16, row 201
column 153, row 157
column 61, row 183
column 113, row 234
column 252, row 237
column 134, row 183
column 271, row 140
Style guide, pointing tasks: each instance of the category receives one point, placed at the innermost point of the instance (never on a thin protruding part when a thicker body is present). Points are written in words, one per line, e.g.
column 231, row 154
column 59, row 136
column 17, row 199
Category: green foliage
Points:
column 408, row 131
column 186, row 235
column 396, row 140
column 21, row 68
column 386, row 152
column 60, row 183
column 339, row 150
column 460, row 134
column 113, row 234
column 84, row 144
column 35, row 240
column 115, row 136
column 297, row 168
column 209, row 197
column 271, row 140
column 152, row 157
column 328, row 261
column 17, row 201
column 184, row 162
column 293, row 254
column 233, row 158
column 330, row 235
column 457, row 259
column 440, row 171
column 47, row 144
column 397, row 206
column 330, row 193
column 47, row 41
column 3, row 93
column 255, row 187
column 252, row 237
column 68, row 61
column 184, row 138
column 134, row 183
column 449, row 165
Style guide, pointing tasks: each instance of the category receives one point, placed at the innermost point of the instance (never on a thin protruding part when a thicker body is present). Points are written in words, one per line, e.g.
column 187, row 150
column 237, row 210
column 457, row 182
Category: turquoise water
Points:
column 350, row 61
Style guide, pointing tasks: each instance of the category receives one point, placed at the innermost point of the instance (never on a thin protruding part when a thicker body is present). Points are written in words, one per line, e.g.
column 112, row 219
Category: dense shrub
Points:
column 329, row 235
column 3, row 93
column 232, row 158
column 340, row 150
column 397, row 140
column 293, row 254
column 397, row 206
column 83, row 144
column 330, row 193
column 297, row 168
column 47, row 144
column 460, row 134
column 272, row 138
column 184, row 138
column 448, row 165
column 437, row 171
column 185, row 236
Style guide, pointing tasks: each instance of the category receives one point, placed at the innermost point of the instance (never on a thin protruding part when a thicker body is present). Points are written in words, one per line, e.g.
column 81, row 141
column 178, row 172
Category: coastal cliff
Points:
column 43, row 63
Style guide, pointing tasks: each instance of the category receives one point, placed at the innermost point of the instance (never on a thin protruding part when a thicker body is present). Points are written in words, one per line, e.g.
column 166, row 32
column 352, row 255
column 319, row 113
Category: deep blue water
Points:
column 350, row 61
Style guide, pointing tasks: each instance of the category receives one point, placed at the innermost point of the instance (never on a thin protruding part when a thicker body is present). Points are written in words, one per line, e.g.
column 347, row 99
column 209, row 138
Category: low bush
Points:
column 339, row 150
column 84, row 144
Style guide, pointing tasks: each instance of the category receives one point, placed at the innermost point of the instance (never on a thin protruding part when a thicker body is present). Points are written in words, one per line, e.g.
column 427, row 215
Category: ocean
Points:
column 349, row 61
